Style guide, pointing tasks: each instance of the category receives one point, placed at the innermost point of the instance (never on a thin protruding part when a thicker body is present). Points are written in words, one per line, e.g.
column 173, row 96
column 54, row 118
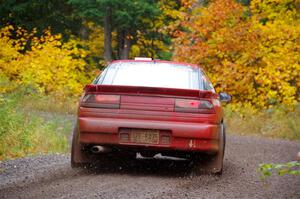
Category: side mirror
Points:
column 224, row 97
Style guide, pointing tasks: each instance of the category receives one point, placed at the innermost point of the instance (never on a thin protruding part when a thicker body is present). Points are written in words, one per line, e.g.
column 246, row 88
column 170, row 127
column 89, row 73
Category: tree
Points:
column 250, row 52
column 155, row 41
column 124, row 17
column 50, row 66
column 98, row 11
column 39, row 14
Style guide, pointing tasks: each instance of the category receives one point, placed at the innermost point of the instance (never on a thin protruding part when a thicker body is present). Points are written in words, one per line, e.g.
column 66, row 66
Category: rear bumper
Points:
column 185, row 136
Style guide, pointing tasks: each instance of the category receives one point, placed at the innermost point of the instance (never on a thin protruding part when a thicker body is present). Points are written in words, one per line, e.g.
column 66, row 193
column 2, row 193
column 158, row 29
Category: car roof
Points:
column 155, row 61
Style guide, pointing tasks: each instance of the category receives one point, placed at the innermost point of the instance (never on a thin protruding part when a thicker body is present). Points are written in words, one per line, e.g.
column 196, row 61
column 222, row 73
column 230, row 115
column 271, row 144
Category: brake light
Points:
column 101, row 101
column 184, row 105
column 90, row 88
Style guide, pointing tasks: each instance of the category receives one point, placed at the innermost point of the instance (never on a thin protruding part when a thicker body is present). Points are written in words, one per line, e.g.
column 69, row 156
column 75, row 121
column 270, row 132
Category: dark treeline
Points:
column 126, row 18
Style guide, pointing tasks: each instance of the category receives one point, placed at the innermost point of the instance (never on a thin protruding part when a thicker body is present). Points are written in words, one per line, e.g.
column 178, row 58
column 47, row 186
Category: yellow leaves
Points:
column 256, row 59
column 147, row 47
column 50, row 66
column 270, row 10
column 135, row 51
column 9, row 51
column 96, row 39
column 10, row 27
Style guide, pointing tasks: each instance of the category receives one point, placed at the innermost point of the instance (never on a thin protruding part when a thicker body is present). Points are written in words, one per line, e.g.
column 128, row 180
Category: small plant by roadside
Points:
column 291, row 168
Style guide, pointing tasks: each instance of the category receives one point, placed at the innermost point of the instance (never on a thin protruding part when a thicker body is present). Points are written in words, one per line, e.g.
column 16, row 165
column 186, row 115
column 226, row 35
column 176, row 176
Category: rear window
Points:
column 152, row 74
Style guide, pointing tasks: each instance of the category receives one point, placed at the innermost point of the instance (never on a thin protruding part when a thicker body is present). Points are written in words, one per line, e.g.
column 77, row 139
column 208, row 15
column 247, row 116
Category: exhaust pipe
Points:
column 100, row 149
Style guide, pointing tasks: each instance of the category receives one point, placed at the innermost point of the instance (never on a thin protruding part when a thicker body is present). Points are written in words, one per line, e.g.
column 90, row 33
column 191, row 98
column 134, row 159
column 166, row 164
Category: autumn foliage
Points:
column 250, row 52
column 43, row 63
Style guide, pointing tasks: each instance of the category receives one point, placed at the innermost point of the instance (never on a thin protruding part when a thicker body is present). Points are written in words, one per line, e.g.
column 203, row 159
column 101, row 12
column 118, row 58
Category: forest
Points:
column 51, row 49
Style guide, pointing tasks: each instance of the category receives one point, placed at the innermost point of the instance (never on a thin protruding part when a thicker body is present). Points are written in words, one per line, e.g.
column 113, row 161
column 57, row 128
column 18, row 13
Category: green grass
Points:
column 277, row 122
column 26, row 130
column 50, row 103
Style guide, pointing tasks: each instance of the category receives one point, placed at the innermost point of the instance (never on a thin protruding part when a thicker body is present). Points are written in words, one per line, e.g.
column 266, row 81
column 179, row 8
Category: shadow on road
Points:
column 167, row 167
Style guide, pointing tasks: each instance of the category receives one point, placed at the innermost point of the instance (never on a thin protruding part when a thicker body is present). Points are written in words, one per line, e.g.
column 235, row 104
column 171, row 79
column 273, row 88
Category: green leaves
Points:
column 290, row 168
column 31, row 14
column 125, row 14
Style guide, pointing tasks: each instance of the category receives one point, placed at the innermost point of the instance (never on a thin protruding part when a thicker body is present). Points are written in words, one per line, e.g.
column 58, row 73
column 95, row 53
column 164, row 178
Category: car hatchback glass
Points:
column 151, row 74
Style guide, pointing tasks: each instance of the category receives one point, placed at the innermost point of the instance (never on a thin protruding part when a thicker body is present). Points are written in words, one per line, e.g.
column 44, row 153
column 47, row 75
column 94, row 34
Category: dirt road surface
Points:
column 52, row 177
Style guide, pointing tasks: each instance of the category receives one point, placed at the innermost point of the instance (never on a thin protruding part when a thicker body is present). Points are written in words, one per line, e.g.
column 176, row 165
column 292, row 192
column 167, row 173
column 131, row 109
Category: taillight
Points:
column 101, row 101
column 200, row 106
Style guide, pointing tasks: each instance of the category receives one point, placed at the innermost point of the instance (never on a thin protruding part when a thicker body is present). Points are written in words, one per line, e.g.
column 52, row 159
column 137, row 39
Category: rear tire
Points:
column 79, row 158
column 212, row 164
column 80, row 155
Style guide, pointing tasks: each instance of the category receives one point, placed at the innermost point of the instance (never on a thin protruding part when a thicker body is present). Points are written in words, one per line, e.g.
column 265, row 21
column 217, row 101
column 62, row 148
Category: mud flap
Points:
column 212, row 164
column 79, row 158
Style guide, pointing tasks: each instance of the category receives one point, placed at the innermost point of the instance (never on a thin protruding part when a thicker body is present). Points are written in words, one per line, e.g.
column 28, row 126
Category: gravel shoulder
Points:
column 52, row 177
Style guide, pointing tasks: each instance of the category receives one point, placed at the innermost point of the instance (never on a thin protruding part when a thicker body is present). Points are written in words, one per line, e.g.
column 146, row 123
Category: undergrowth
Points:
column 26, row 130
column 277, row 122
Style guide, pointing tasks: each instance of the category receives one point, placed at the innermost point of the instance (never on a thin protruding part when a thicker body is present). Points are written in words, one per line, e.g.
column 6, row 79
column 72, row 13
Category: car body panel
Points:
column 151, row 108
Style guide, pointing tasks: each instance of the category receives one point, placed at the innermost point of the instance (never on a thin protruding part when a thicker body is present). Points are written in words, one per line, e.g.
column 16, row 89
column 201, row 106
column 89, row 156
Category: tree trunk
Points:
column 107, row 35
column 83, row 32
column 120, row 40
column 124, row 44
column 127, row 46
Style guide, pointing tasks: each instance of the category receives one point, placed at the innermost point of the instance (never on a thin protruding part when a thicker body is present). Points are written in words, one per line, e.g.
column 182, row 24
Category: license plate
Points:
column 144, row 136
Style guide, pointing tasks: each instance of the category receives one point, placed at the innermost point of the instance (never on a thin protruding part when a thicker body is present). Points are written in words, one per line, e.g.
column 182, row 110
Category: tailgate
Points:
column 147, row 103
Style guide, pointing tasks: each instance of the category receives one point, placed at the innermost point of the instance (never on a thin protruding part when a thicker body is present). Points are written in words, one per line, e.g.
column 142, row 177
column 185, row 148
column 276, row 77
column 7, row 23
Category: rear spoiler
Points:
column 141, row 90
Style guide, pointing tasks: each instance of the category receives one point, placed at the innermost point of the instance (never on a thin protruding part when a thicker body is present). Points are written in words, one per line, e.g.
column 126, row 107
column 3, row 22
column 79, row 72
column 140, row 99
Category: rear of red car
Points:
column 119, row 114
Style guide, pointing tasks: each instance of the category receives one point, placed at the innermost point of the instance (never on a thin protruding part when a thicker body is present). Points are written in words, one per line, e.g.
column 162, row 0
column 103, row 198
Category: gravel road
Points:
column 52, row 177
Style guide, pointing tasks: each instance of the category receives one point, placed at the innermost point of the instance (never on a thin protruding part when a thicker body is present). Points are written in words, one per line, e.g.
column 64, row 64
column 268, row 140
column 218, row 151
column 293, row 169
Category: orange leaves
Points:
column 254, row 60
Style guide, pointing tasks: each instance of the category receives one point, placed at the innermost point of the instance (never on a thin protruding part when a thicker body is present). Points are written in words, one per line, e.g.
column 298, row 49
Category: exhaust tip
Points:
column 99, row 149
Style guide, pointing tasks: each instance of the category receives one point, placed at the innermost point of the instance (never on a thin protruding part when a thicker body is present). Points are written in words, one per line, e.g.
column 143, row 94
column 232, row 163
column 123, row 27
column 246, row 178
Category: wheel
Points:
column 82, row 156
column 79, row 158
column 213, row 164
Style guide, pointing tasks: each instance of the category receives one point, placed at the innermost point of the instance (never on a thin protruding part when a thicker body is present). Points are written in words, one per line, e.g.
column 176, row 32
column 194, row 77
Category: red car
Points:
column 150, row 107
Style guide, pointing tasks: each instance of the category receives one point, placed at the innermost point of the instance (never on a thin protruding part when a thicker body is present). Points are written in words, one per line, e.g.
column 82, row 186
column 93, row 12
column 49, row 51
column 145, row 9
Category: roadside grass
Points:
column 55, row 103
column 277, row 122
column 36, row 126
